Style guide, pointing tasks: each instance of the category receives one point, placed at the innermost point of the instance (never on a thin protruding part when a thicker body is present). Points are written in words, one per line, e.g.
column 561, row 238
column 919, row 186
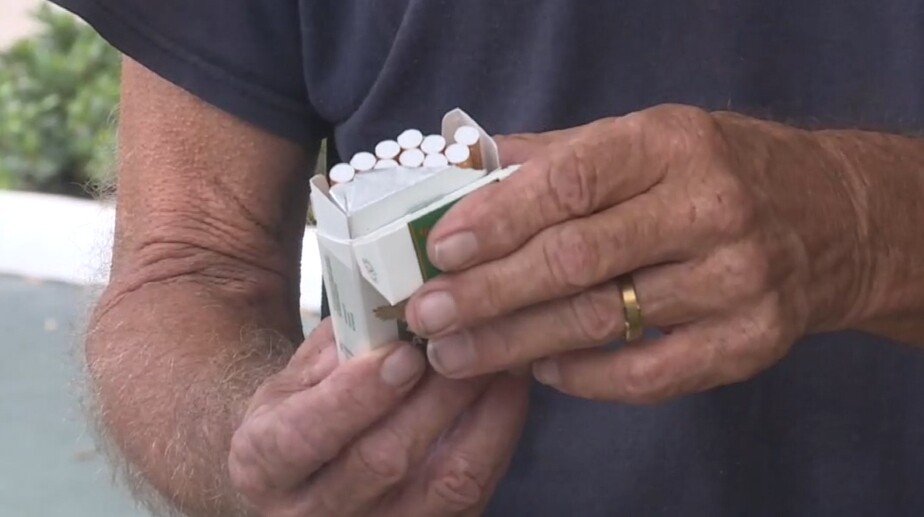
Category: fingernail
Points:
column 546, row 372
column 435, row 312
column 402, row 366
column 455, row 251
column 451, row 354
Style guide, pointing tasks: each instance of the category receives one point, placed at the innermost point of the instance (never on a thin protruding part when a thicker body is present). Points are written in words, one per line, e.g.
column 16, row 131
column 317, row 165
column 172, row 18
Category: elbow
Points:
column 248, row 282
column 158, row 350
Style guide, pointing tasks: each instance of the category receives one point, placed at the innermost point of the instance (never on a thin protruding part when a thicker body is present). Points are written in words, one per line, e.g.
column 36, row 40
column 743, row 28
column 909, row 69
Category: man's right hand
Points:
column 358, row 439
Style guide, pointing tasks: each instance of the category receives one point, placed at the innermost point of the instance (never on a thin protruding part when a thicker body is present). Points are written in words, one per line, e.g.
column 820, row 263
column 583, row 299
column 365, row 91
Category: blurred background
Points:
column 59, row 94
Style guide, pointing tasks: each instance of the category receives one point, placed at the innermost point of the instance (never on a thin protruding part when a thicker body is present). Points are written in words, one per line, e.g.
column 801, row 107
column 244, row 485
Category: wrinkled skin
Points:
column 700, row 208
column 375, row 436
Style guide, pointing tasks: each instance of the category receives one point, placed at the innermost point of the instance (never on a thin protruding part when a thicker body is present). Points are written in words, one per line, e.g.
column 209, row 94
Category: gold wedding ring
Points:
column 631, row 307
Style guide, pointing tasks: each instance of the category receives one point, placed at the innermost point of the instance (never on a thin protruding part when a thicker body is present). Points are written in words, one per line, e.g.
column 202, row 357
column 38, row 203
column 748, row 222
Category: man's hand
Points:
column 741, row 236
column 319, row 439
column 192, row 345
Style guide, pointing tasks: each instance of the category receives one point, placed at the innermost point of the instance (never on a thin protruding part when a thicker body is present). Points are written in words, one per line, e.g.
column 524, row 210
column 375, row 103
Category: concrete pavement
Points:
column 49, row 466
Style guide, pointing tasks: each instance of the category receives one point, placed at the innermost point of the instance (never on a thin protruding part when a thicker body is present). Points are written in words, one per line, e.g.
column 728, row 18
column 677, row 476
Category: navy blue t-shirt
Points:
column 837, row 428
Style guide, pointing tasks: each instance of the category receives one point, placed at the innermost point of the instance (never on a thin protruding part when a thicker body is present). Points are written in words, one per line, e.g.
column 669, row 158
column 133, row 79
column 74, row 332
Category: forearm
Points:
column 203, row 300
column 173, row 365
column 888, row 174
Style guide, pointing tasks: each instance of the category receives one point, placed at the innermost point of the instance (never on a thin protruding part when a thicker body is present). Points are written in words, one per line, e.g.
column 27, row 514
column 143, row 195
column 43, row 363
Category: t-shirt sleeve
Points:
column 242, row 56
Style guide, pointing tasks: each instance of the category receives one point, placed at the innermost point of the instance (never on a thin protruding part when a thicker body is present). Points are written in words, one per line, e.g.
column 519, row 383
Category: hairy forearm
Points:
column 887, row 172
column 203, row 302
column 173, row 364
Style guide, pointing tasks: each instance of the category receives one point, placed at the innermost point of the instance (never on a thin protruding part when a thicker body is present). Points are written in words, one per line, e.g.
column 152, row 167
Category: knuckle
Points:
column 262, row 431
column 596, row 315
column 721, row 366
column 573, row 257
column 682, row 130
column 571, row 186
column 763, row 339
column 699, row 127
column 268, row 393
column 641, row 381
column 746, row 270
column 245, row 478
column 347, row 393
column 773, row 321
column 241, row 447
column 699, row 123
column 757, row 268
column 501, row 345
column 505, row 222
column 384, row 457
column 294, row 443
column 461, row 485
column 731, row 208
column 276, row 387
column 492, row 294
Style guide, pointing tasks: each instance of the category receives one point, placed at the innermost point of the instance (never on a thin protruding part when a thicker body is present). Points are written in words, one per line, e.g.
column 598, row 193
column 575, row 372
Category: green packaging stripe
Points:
column 420, row 230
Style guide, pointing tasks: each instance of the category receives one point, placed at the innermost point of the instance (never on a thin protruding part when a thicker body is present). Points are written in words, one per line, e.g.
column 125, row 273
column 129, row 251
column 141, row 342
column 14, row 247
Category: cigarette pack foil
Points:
column 374, row 255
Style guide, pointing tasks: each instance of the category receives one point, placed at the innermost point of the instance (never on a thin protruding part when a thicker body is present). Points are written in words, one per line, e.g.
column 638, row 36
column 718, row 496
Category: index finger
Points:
column 574, row 175
column 278, row 447
column 467, row 465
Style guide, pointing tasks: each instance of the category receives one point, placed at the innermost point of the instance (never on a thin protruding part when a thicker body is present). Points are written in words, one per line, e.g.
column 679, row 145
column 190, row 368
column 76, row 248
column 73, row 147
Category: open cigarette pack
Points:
column 372, row 226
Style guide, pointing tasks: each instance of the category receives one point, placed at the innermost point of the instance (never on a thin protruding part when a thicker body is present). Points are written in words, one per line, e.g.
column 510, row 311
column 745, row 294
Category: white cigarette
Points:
column 410, row 139
column 412, row 158
column 387, row 150
column 459, row 154
column 341, row 173
column 467, row 136
column 433, row 144
column 471, row 138
column 436, row 160
column 363, row 161
column 385, row 164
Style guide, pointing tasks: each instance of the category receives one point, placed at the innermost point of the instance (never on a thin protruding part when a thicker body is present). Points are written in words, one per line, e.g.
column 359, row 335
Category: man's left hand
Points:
column 737, row 233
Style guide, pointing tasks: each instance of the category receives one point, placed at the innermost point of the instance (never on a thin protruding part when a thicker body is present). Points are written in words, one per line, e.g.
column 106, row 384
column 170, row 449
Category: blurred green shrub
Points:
column 58, row 94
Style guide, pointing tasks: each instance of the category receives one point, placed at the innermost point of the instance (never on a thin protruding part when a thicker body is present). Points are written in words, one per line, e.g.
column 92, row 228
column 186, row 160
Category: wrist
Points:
column 859, row 267
column 887, row 185
column 814, row 199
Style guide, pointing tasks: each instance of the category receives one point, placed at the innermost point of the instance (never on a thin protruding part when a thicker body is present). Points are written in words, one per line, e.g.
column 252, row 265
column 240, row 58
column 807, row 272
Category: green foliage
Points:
column 58, row 94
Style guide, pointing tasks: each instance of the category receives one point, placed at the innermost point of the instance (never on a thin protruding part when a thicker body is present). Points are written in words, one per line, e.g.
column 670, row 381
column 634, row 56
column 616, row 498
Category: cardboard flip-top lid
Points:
column 394, row 258
column 335, row 224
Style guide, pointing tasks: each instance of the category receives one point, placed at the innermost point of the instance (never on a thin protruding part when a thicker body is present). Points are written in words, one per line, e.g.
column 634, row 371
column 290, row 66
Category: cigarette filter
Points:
column 387, row 150
column 363, row 161
column 412, row 158
column 436, row 160
column 469, row 137
column 386, row 164
column 341, row 173
column 460, row 156
column 410, row 139
column 433, row 144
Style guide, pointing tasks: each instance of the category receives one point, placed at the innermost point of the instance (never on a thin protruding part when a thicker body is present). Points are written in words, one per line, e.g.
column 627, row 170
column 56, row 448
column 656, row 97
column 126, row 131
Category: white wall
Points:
column 68, row 240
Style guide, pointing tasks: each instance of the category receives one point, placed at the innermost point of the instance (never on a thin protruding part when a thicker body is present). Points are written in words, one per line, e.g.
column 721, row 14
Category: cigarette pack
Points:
column 374, row 256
